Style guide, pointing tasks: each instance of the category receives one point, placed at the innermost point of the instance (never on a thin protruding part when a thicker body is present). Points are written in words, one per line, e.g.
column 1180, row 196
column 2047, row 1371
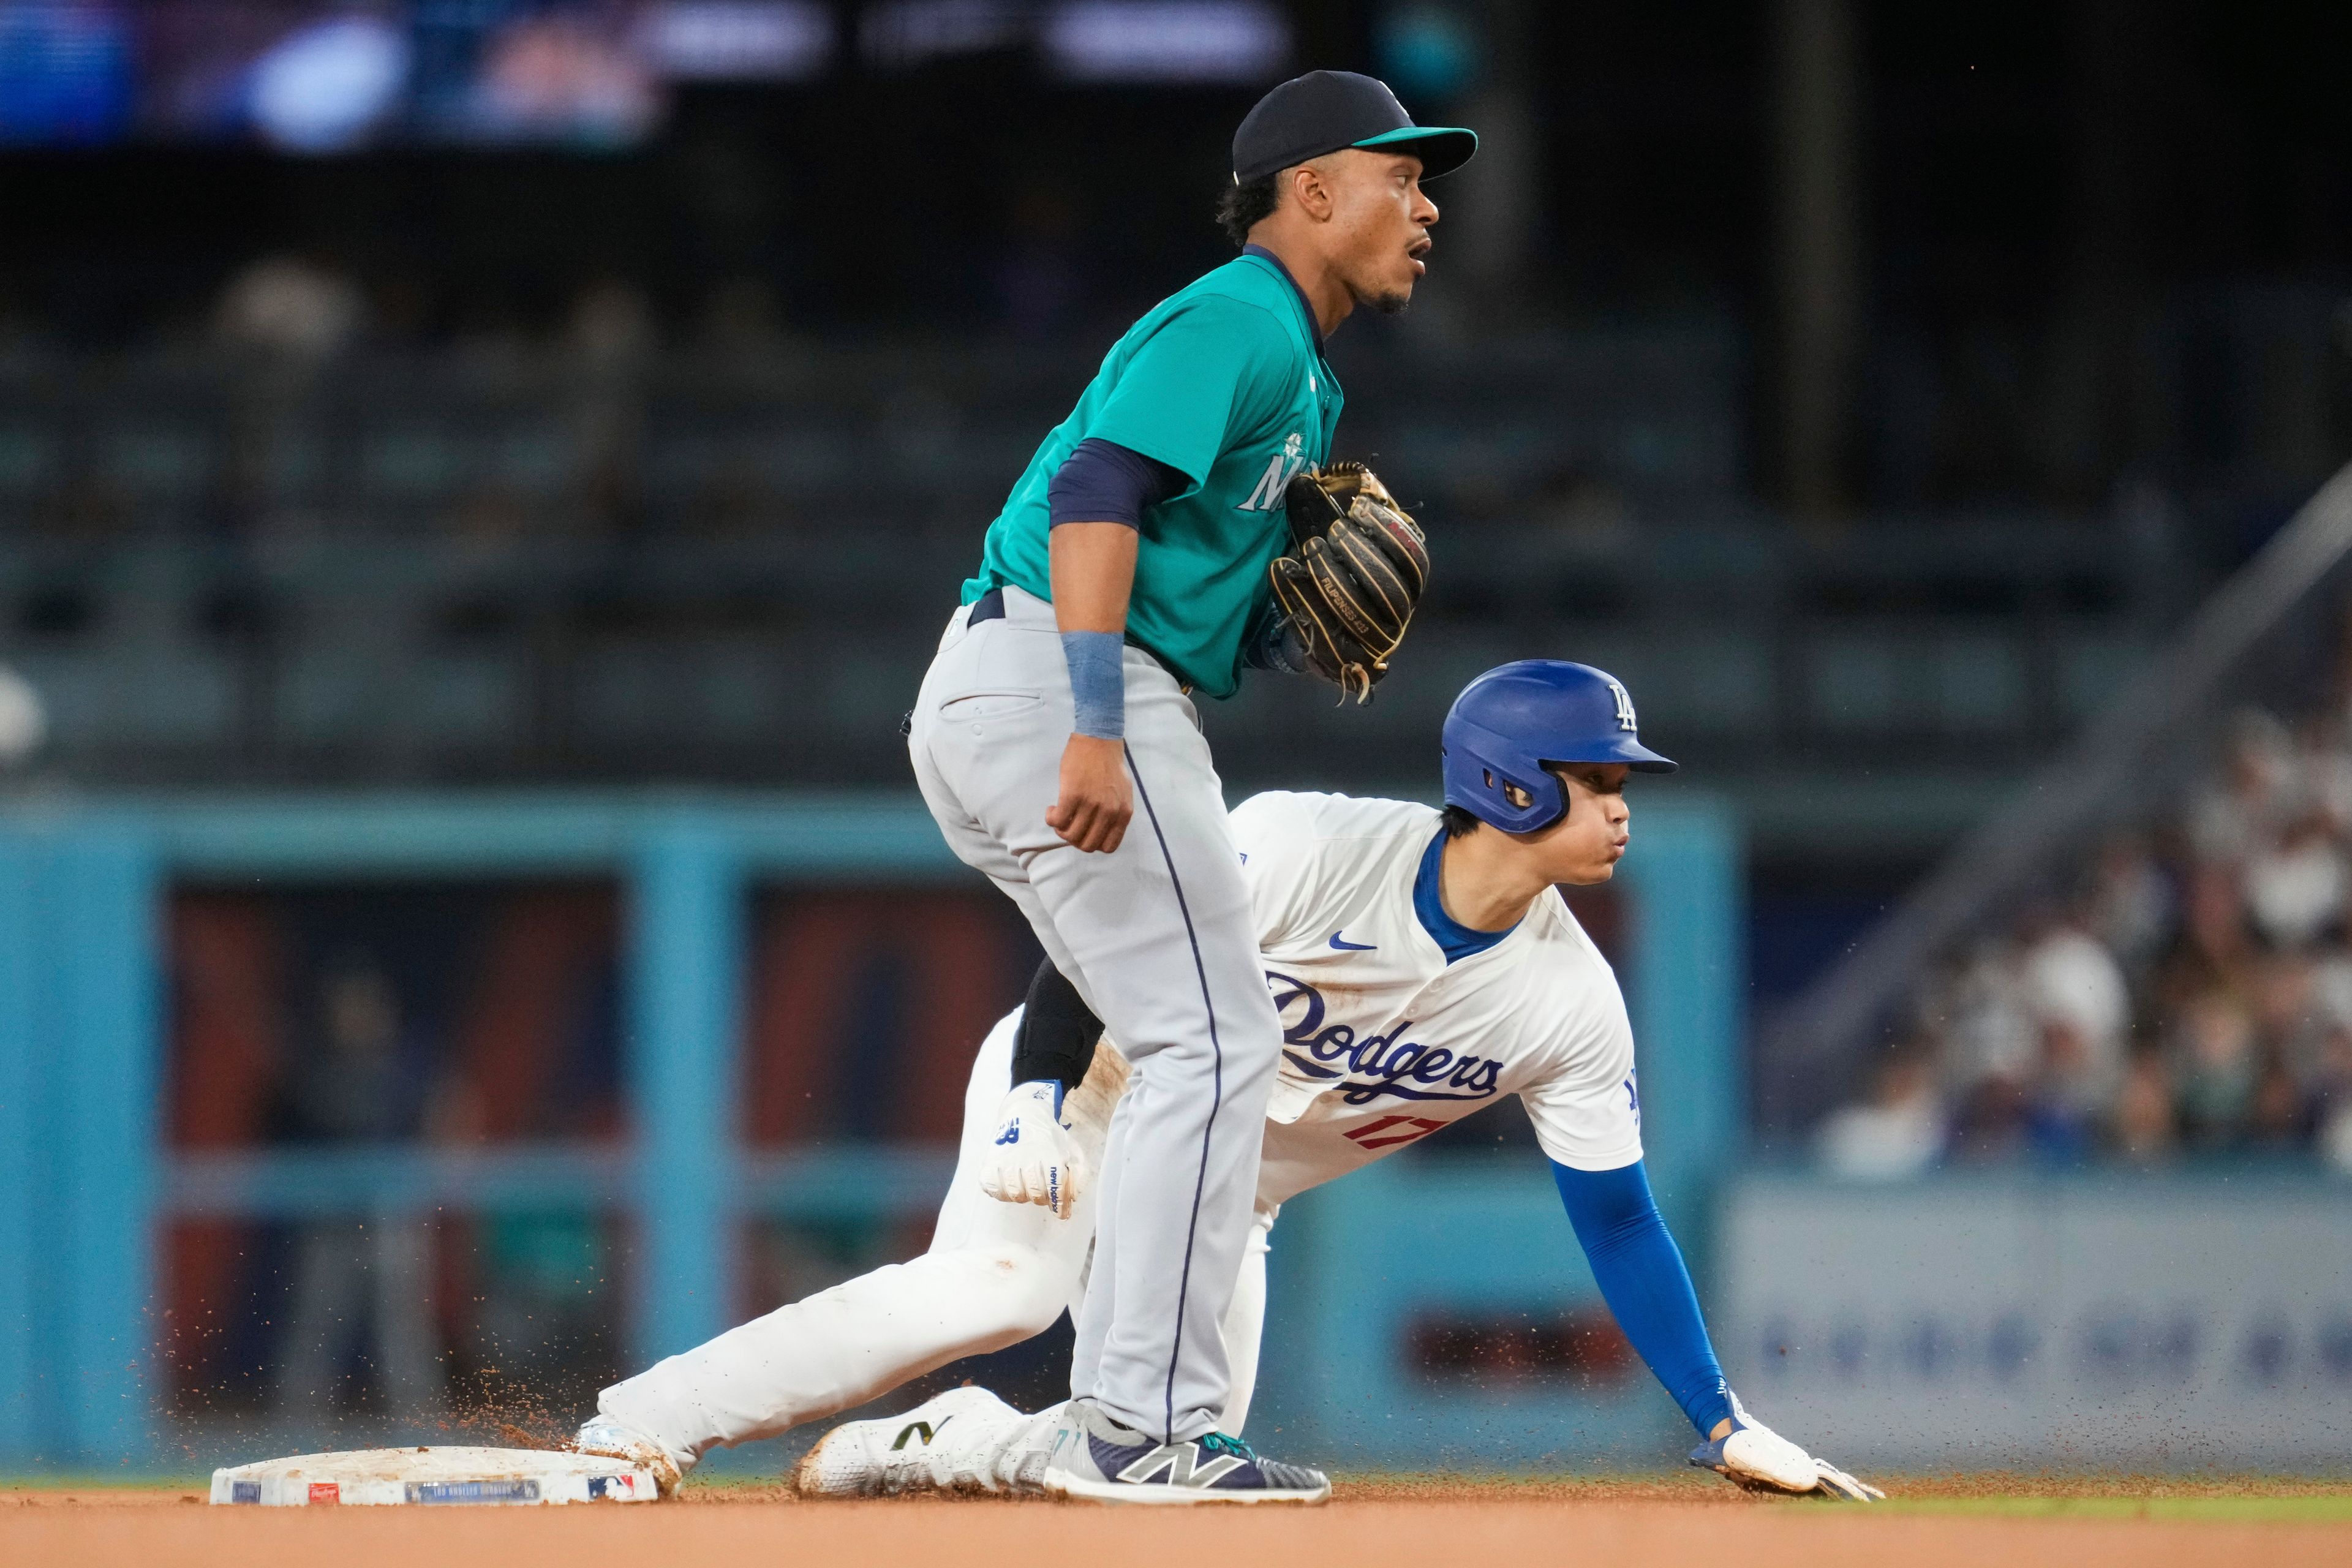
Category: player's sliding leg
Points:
column 995, row 1274
column 964, row 1440
column 968, row 1440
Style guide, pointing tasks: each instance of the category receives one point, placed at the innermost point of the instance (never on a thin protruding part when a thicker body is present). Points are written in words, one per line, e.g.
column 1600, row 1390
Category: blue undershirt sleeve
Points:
column 1102, row 481
column 1642, row 1278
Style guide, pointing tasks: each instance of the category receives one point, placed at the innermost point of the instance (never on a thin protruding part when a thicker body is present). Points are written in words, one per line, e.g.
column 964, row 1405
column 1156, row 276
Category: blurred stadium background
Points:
column 480, row 480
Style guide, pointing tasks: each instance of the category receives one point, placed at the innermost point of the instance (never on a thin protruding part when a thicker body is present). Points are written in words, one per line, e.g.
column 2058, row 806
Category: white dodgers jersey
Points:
column 1384, row 1042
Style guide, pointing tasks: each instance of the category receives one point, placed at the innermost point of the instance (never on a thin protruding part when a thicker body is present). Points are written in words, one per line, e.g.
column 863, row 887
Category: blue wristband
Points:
column 1098, row 682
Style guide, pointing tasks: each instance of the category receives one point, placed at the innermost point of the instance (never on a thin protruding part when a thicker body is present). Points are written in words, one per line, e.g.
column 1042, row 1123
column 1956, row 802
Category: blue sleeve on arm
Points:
column 1642, row 1278
column 1102, row 481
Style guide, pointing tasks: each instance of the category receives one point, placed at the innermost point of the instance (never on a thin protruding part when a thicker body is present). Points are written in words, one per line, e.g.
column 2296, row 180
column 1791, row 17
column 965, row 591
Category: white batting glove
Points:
column 1033, row 1159
column 1752, row 1454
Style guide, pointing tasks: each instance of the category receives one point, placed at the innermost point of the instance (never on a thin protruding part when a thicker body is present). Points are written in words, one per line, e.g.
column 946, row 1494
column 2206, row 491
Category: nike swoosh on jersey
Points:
column 1339, row 946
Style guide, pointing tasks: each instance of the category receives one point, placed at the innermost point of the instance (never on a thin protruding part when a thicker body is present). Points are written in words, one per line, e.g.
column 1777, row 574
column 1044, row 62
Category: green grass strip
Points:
column 2308, row 1508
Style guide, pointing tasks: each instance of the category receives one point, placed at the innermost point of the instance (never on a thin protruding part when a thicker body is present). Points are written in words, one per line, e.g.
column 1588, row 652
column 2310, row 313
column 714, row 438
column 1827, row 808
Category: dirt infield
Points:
column 1454, row 1524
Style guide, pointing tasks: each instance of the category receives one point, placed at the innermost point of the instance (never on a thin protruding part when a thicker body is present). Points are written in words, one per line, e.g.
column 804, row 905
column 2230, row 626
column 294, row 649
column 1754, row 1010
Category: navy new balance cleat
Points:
column 1104, row 1460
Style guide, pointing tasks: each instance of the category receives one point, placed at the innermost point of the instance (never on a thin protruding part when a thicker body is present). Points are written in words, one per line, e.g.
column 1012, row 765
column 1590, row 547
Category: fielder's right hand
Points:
column 1096, row 802
column 1033, row 1159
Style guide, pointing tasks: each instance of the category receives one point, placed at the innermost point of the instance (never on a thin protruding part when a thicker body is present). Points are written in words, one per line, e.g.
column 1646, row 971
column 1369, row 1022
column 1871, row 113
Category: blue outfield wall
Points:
column 81, row 1050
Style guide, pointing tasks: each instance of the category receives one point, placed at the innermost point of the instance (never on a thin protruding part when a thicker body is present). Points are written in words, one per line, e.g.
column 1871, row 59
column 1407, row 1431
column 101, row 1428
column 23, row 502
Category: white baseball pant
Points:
column 996, row 1274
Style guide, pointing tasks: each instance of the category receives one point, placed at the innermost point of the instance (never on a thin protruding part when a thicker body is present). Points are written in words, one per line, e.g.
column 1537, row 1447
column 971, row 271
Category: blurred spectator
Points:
column 1992, row 1122
column 2129, row 903
column 2141, row 1126
column 1988, row 1023
column 362, row 1291
column 2070, row 1091
column 2197, row 996
column 289, row 307
column 2228, row 822
column 2213, row 1060
column 2212, row 949
column 2071, row 983
column 2295, row 884
column 2328, row 1000
column 2285, row 1015
column 2278, row 1120
column 1899, row 1133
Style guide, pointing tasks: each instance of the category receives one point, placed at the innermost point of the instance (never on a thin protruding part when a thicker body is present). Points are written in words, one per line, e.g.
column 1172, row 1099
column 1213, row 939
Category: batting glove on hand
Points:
column 1753, row 1456
column 1033, row 1159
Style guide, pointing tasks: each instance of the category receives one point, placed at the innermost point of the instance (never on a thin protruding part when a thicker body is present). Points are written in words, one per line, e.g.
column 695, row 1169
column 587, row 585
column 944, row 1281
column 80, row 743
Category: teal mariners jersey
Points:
column 1225, row 382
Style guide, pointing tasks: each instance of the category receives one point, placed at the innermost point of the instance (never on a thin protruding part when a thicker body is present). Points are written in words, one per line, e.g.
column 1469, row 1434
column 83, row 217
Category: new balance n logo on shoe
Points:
column 1181, row 1463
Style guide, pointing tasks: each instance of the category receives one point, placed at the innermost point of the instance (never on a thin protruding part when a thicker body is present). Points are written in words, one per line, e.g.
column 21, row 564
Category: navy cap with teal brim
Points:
column 1324, row 112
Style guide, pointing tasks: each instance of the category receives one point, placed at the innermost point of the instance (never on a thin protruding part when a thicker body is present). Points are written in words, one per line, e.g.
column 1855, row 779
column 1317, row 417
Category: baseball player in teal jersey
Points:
column 1128, row 569
column 1056, row 743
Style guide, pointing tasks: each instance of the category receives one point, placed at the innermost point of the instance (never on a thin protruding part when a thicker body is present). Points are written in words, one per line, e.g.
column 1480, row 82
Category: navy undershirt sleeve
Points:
column 1102, row 481
column 1644, row 1280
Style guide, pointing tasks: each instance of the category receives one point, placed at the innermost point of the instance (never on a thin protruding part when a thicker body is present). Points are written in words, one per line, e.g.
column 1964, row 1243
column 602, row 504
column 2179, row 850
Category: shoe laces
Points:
column 1218, row 1443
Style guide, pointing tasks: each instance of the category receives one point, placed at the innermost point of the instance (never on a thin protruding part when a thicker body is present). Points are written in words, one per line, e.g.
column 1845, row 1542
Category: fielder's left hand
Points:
column 1753, row 1456
column 1033, row 1159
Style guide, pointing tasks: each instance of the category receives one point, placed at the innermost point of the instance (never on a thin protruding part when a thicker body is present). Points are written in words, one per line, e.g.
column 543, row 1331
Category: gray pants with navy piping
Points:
column 1158, row 939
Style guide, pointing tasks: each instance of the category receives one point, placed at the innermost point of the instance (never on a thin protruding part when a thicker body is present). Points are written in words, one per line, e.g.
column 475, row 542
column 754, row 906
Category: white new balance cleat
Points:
column 614, row 1439
column 1104, row 1460
column 914, row 1452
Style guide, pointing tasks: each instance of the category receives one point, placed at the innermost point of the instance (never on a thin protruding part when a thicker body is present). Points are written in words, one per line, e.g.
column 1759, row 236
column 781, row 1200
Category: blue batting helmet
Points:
column 1511, row 720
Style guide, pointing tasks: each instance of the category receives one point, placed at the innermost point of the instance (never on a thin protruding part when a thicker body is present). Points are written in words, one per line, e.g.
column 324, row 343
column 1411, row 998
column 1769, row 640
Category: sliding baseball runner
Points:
column 1422, row 965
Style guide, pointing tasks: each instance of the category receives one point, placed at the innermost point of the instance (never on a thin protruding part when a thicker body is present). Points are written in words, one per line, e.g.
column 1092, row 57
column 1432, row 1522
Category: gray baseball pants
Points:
column 1158, row 939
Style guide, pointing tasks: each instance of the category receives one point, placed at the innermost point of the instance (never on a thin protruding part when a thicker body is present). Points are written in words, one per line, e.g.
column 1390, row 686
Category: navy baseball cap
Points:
column 1324, row 112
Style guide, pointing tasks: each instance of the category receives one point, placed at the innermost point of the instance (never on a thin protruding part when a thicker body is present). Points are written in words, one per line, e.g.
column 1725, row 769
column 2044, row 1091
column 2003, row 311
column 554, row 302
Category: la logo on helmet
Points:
column 1624, row 706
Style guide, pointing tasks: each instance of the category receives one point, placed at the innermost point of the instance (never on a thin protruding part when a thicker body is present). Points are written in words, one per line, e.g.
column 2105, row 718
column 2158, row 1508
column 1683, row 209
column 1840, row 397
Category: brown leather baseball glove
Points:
column 1356, row 569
